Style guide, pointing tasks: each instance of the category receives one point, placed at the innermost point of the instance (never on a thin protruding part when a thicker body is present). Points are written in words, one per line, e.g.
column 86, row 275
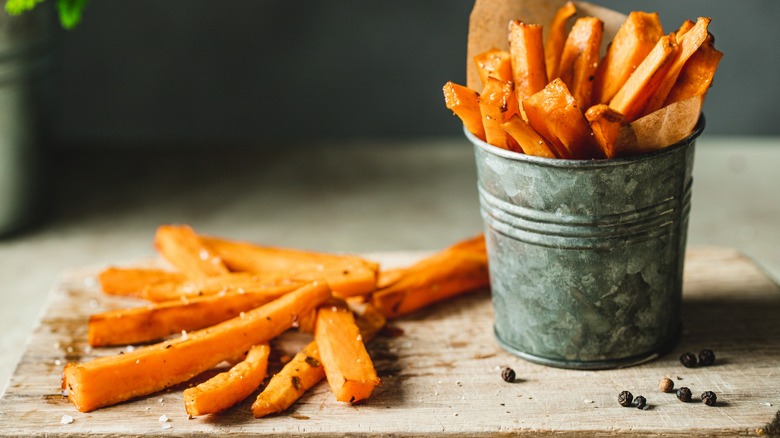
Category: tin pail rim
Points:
column 591, row 163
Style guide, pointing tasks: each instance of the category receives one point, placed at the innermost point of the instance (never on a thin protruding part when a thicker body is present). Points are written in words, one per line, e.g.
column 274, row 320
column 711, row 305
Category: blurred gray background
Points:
column 185, row 73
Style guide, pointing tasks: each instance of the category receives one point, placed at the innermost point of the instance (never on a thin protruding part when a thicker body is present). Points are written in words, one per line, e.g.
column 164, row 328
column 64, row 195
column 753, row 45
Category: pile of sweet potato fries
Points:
column 225, row 300
column 558, row 98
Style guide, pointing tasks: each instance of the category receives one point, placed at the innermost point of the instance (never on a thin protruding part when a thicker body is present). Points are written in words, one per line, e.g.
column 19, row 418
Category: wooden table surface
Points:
column 442, row 374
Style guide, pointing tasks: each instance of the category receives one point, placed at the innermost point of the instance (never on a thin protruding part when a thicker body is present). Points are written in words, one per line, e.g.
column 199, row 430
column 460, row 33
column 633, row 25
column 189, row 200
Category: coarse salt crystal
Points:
column 129, row 349
column 64, row 392
column 184, row 334
column 587, row 401
column 137, row 361
column 66, row 419
column 165, row 426
column 766, row 404
column 70, row 349
column 163, row 418
column 160, row 401
column 58, row 362
column 204, row 255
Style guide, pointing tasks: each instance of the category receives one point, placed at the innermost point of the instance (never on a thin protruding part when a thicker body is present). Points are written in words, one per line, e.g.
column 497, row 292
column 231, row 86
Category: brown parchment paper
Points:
column 488, row 24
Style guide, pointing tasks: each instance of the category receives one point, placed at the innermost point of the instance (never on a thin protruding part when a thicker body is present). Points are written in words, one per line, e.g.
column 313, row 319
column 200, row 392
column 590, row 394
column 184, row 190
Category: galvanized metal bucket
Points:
column 586, row 256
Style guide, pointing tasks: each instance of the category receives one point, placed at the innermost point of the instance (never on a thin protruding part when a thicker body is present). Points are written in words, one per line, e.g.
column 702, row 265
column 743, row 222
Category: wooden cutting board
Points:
column 442, row 375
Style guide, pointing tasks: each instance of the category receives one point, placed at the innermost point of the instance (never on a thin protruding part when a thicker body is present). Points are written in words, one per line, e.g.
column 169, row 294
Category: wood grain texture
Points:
column 442, row 376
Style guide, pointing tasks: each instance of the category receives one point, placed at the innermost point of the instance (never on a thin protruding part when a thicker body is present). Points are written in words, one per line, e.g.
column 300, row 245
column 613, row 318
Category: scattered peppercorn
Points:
column 709, row 398
column 666, row 385
column 706, row 357
column 508, row 374
column 684, row 394
column 639, row 402
column 688, row 360
column 625, row 398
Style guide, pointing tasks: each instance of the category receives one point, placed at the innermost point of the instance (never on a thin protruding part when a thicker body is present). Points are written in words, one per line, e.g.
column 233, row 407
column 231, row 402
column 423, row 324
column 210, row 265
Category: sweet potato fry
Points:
column 288, row 385
column 580, row 58
column 635, row 38
column 529, row 140
column 149, row 323
column 556, row 39
column 240, row 282
column 109, row 380
column 632, row 97
column 497, row 103
column 494, row 62
column 689, row 43
column 348, row 368
column 456, row 270
column 697, row 74
column 684, row 27
column 464, row 103
column 231, row 387
column 180, row 246
column 611, row 130
column 346, row 274
column 305, row 369
column 389, row 276
column 527, row 50
column 132, row 281
column 554, row 114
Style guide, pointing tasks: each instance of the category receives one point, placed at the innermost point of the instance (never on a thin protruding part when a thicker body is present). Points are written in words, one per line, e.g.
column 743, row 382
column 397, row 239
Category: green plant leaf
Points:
column 70, row 12
column 16, row 7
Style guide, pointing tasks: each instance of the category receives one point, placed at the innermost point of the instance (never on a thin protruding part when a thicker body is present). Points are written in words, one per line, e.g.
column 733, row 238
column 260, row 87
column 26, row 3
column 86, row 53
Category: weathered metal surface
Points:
column 586, row 256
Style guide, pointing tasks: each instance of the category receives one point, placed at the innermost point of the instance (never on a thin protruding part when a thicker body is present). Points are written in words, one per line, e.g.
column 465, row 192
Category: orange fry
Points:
column 697, row 74
column 180, row 246
column 580, row 58
column 632, row 97
column 348, row 367
column 109, row 380
column 494, row 62
column 529, row 140
column 498, row 103
column 238, row 282
column 132, row 281
column 305, row 369
column 464, row 103
column 456, row 270
column 635, row 38
column 231, row 387
column 554, row 114
column 527, row 50
column 556, row 39
column 149, row 323
column 684, row 27
column 689, row 43
column 346, row 274
column 611, row 130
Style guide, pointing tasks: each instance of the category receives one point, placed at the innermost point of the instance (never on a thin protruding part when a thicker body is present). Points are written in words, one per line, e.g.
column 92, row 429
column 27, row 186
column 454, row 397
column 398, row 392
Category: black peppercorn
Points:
column 688, row 360
column 625, row 398
column 666, row 384
column 709, row 398
column 706, row 357
column 684, row 394
column 639, row 402
column 508, row 374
